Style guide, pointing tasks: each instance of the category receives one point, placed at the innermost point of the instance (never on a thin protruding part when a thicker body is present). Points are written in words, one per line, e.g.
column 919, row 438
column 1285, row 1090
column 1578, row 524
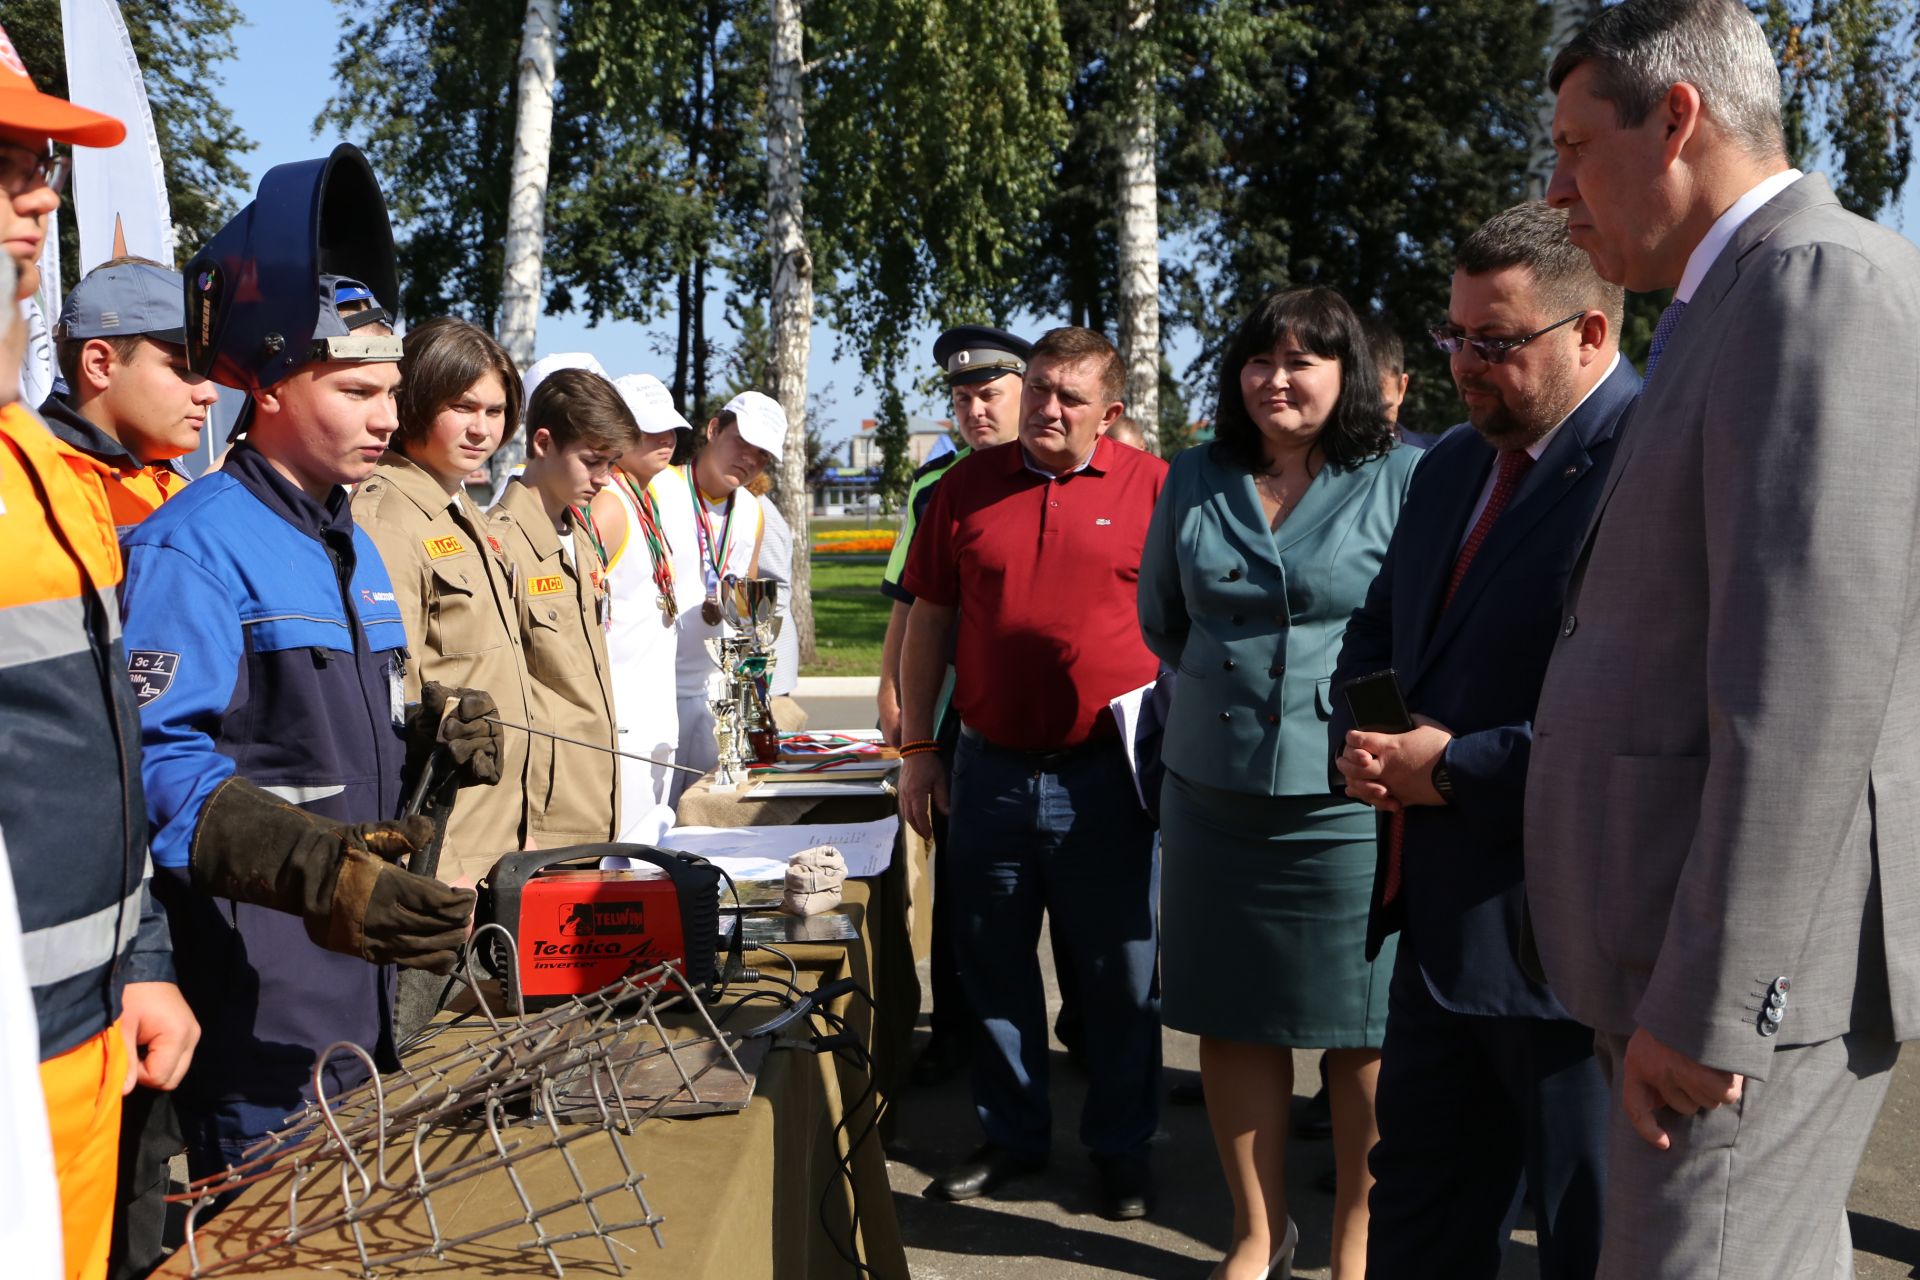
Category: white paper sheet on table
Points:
column 761, row 853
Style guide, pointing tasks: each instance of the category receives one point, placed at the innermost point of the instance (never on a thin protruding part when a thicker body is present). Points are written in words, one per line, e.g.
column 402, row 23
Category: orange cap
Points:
column 25, row 108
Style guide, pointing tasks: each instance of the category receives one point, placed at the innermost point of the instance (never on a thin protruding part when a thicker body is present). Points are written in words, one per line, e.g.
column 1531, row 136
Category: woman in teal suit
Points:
column 1262, row 546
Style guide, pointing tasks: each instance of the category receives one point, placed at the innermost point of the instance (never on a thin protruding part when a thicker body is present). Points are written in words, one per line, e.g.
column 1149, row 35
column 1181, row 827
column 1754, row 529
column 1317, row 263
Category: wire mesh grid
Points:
column 363, row 1179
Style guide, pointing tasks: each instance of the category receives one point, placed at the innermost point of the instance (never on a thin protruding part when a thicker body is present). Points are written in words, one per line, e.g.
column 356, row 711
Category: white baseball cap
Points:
column 538, row 371
column 651, row 404
column 762, row 422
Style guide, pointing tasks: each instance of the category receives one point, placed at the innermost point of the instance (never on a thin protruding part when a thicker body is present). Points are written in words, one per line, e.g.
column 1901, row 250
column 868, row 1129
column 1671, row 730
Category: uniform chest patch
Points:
column 371, row 596
column 550, row 585
column 152, row 673
column 441, row 548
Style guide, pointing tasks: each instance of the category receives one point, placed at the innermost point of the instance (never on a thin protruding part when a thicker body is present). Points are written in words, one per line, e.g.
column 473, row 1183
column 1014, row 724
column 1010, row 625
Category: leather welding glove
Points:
column 254, row 847
column 457, row 720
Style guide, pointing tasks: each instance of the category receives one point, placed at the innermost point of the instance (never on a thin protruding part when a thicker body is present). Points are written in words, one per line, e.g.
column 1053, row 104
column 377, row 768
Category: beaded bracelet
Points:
column 918, row 749
column 918, row 742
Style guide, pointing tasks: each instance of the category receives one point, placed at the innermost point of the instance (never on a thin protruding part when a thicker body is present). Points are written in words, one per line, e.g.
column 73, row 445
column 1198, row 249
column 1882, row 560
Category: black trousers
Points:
column 1473, row 1111
column 149, row 1139
column 951, row 1015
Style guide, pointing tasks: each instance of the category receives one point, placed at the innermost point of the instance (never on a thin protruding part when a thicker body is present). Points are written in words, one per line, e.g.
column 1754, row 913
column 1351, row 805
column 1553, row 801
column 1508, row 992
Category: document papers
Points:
column 761, row 853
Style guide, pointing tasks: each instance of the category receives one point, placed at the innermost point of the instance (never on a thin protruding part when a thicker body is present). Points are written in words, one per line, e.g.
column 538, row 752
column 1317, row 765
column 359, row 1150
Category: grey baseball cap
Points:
column 130, row 300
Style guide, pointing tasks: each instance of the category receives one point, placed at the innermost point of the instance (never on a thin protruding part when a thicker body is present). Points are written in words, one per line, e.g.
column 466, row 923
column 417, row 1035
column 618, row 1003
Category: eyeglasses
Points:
column 23, row 169
column 1490, row 350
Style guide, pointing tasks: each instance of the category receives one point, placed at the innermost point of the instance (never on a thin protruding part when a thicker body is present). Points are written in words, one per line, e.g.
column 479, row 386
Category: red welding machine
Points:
column 578, row 928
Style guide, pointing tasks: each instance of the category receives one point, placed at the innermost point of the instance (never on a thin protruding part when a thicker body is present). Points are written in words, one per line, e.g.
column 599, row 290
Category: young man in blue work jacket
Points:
column 268, row 657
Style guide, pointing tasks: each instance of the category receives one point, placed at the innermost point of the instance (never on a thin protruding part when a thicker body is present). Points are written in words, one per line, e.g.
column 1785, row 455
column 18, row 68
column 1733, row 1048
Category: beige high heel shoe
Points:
column 1280, row 1265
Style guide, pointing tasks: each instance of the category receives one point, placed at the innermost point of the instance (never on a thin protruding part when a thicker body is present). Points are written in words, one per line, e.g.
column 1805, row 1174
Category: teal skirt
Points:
column 1263, row 919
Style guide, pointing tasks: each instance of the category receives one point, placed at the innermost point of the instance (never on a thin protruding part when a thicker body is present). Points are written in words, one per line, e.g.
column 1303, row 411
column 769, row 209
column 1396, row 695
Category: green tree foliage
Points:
column 891, row 435
column 1353, row 147
column 931, row 133
column 180, row 45
column 1852, row 77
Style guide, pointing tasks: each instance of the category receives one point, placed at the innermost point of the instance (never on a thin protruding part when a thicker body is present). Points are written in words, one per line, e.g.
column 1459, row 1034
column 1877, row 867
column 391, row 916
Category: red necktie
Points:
column 1512, row 469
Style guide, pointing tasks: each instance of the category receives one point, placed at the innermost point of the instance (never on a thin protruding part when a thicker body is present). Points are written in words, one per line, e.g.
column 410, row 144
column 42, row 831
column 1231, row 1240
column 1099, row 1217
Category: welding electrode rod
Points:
column 594, row 746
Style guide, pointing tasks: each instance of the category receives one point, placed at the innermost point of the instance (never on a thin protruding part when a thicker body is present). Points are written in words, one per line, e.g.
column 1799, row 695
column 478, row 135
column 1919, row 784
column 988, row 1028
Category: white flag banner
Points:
column 120, row 193
column 37, row 370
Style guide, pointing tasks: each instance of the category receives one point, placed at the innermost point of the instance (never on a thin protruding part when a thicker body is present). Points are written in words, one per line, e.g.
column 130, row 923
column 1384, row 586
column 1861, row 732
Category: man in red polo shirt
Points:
column 1025, row 569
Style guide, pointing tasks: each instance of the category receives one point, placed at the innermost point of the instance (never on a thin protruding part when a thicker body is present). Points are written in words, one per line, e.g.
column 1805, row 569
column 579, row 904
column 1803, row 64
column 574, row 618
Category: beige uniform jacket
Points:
column 456, row 597
column 575, row 790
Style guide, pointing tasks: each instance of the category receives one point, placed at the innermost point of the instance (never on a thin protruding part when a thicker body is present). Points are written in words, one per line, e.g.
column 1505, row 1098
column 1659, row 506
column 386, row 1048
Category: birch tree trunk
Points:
column 1570, row 17
column 1139, row 239
column 792, row 318
column 527, row 197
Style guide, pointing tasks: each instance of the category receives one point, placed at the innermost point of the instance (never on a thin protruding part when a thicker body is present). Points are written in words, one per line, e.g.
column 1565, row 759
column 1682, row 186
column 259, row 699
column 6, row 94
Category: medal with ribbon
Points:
column 713, row 558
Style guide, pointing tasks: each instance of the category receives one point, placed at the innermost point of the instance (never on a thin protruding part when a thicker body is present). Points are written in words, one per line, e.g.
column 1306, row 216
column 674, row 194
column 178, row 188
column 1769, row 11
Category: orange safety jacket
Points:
column 134, row 489
column 72, row 808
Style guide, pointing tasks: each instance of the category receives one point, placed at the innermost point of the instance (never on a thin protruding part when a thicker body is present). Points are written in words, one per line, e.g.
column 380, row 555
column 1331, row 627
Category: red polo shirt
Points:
column 1044, row 573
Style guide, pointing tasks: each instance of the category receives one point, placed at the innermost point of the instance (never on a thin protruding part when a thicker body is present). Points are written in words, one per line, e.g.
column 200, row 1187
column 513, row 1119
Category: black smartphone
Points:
column 1376, row 703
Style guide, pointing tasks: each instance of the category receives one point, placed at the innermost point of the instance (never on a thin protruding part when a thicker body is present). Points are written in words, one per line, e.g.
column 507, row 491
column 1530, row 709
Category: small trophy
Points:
column 743, row 728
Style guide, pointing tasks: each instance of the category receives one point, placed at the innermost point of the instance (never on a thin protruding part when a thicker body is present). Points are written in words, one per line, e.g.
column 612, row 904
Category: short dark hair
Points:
column 66, row 352
column 1071, row 344
column 440, row 360
column 1642, row 48
column 1534, row 235
column 1389, row 351
column 578, row 405
column 1320, row 320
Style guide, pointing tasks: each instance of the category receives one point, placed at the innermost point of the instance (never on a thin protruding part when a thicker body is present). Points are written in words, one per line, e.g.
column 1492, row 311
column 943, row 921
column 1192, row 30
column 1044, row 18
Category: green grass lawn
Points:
column 849, row 615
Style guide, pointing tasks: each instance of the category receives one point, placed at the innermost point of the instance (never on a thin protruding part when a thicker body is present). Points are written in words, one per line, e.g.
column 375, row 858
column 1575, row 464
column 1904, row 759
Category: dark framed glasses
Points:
column 22, row 169
column 1491, row 350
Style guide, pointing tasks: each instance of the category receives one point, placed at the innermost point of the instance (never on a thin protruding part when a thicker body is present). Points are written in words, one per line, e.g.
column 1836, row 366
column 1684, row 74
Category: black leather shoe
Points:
column 940, row 1061
column 983, row 1171
column 1126, row 1189
column 1315, row 1122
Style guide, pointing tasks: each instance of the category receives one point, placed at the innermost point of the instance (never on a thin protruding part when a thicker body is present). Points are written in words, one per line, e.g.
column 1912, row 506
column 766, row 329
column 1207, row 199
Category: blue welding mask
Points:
column 296, row 277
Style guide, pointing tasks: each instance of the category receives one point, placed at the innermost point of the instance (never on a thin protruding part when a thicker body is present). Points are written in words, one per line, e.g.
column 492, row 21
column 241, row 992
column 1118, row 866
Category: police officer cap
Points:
column 290, row 278
column 980, row 353
column 126, row 300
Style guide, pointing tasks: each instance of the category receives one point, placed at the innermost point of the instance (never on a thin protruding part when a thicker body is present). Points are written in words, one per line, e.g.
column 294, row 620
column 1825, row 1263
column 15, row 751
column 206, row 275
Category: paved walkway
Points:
column 1044, row 1228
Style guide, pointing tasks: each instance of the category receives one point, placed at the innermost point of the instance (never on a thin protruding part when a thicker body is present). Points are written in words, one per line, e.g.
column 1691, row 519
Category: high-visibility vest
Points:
column 70, row 798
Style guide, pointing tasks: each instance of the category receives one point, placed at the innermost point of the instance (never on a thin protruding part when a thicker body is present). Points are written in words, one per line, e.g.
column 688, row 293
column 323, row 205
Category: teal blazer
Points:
column 1252, row 618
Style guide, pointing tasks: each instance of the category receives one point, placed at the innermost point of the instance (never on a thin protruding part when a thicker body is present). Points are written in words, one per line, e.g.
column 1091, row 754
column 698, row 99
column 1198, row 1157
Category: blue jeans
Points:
column 1064, row 836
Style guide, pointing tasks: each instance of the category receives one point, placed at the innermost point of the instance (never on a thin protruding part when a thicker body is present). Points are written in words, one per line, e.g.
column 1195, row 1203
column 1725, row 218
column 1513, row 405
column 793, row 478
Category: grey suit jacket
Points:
column 1725, row 786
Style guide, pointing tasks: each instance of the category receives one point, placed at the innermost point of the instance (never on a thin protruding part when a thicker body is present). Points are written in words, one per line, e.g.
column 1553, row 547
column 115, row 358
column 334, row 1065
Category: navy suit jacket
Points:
column 1477, row 668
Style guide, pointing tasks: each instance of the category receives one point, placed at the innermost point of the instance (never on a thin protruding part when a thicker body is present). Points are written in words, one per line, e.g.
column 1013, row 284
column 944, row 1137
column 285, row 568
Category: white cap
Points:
column 537, row 371
column 650, row 403
column 762, row 422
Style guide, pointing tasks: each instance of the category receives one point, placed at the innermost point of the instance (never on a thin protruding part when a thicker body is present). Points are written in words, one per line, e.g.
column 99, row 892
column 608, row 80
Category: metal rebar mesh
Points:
column 358, row 1174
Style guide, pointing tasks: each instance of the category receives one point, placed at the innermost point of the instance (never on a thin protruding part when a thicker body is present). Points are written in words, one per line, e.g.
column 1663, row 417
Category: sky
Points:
column 283, row 76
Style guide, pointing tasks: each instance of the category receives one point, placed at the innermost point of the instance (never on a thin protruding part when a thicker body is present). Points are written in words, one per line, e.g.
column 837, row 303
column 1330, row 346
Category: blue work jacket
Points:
column 1252, row 616
column 263, row 640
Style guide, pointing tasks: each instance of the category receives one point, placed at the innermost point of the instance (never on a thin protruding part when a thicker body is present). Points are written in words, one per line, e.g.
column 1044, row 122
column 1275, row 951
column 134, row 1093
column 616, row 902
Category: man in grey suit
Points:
column 1723, row 811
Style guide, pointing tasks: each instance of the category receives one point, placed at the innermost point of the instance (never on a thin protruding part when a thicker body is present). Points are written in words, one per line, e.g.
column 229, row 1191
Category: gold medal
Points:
column 667, row 609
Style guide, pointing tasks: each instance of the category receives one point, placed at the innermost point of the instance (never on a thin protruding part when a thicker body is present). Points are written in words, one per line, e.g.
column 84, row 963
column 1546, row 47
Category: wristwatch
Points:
column 1442, row 779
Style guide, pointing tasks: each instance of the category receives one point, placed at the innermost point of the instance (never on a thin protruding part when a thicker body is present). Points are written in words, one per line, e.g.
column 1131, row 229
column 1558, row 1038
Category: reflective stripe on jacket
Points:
column 72, row 807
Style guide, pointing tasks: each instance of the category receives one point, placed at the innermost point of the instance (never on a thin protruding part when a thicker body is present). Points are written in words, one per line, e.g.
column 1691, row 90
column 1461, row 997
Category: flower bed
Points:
column 853, row 542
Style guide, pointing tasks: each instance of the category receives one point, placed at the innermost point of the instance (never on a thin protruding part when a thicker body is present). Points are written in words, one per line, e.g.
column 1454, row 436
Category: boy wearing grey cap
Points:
column 126, row 396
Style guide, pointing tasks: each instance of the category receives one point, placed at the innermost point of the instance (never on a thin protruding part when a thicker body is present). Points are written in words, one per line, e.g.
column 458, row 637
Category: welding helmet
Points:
column 296, row 276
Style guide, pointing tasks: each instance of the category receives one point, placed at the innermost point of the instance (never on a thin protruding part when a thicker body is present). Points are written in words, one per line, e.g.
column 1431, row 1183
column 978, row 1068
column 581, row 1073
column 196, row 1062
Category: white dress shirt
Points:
column 1721, row 232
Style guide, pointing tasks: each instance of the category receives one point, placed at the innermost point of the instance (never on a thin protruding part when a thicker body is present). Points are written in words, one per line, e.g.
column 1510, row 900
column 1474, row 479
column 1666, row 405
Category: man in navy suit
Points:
column 1486, row 1085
